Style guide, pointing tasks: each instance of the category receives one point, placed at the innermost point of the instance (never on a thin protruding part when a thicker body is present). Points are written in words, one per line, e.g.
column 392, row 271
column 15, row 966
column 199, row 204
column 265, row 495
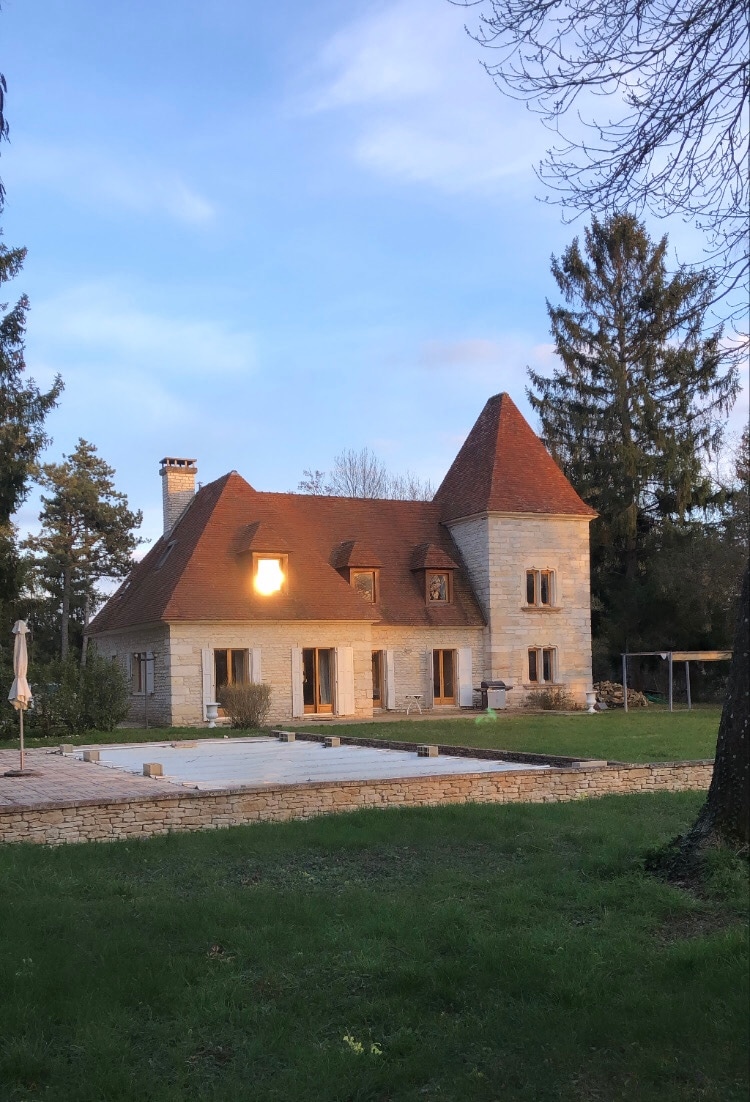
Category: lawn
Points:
column 651, row 734
column 644, row 735
column 455, row 954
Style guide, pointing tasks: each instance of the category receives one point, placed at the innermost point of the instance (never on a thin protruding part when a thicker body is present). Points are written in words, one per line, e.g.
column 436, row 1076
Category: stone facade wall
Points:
column 412, row 653
column 156, row 708
column 497, row 551
column 411, row 648
column 190, row 811
column 275, row 641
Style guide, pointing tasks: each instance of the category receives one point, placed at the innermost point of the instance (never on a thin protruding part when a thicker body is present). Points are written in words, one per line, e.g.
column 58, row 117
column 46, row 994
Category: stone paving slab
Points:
column 62, row 779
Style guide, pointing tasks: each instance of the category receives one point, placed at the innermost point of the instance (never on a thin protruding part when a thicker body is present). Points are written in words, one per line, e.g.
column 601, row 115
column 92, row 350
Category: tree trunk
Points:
column 86, row 615
column 65, row 617
column 725, row 816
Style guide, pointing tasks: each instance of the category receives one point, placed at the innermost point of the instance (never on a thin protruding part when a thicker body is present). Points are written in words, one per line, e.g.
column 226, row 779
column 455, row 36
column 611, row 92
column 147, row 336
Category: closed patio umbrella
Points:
column 20, row 693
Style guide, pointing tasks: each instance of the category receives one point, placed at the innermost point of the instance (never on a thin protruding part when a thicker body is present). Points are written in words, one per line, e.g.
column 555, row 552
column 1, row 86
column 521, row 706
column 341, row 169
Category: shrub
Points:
column 557, row 699
column 247, row 704
column 70, row 699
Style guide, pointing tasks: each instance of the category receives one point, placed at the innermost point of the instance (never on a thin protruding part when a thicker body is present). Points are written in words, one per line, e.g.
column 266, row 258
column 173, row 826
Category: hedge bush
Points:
column 70, row 698
column 246, row 703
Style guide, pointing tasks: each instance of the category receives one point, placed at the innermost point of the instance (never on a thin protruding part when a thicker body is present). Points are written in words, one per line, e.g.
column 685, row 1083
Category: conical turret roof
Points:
column 503, row 467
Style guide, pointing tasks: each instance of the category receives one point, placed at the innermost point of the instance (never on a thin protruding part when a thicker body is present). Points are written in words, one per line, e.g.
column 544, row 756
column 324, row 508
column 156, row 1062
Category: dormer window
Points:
column 365, row 583
column 438, row 586
column 269, row 573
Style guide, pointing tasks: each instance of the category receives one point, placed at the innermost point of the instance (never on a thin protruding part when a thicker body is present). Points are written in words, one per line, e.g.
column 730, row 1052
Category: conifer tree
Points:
column 638, row 402
column 88, row 533
column 23, row 411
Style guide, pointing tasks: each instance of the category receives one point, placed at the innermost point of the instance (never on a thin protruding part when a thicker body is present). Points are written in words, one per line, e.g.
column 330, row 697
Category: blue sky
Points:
column 260, row 234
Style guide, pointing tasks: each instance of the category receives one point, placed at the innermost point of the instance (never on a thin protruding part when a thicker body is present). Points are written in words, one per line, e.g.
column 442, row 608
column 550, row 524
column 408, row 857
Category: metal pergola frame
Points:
column 672, row 656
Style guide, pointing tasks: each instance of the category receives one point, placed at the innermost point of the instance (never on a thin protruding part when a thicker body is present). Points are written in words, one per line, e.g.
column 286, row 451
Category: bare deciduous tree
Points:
column 363, row 474
column 670, row 134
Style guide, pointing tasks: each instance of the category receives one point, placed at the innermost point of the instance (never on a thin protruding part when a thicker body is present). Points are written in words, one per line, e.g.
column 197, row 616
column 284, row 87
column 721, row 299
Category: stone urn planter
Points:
column 212, row 713
column 591, row 702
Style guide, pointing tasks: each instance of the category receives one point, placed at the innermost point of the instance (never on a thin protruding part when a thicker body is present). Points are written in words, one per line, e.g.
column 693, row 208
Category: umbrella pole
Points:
column 20, row 717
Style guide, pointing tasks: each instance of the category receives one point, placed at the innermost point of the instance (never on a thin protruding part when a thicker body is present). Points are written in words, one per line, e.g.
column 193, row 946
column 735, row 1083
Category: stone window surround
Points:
column 554, row 604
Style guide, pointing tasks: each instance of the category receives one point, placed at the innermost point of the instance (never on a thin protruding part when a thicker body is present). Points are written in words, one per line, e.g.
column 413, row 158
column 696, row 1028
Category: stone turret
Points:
column 523, row 533
column 177, row 488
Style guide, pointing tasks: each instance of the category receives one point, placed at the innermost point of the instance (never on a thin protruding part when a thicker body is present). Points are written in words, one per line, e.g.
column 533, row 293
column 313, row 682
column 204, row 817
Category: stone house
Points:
column 349, row 607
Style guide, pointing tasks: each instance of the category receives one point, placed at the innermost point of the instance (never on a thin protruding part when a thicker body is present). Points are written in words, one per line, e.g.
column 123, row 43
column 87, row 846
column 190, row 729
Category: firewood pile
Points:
column 610, row 693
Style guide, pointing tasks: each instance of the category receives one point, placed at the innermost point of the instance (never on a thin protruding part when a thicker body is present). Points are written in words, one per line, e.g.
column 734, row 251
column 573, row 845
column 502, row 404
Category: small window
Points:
column 165, row 554
column 542, row 664
column 438, row 587
column 141, row 672
column 269, row 573
column 230, row 667
column 540, row 588
column 364, row 583
column 138, row 672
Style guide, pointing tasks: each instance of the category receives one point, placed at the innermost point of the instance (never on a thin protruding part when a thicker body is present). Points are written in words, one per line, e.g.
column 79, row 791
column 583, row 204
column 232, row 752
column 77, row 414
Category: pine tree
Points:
column 23, row 411
column 637, row 404
column 88, row 533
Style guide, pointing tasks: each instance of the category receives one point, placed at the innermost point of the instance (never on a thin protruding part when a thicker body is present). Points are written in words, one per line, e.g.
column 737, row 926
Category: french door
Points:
column 444, row 676
column 317, row 679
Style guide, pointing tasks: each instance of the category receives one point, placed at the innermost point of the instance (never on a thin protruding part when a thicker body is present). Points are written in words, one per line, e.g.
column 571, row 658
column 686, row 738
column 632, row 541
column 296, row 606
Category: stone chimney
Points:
column 177, row 489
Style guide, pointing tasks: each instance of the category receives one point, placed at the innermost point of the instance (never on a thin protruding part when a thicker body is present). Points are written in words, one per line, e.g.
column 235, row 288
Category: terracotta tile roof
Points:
column 354, row 553
column 429, row 557
column 504, row 467
column 207, row 574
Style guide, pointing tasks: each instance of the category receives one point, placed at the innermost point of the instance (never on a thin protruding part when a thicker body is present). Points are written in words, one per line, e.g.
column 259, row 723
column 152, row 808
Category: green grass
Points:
column 488, row 953
column 645, row 735
column 650, row 734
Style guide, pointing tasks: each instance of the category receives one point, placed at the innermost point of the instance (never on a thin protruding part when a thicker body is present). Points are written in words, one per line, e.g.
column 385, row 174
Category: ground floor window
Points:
column 317, row 679
column 141, row 672
column 542, row 663
column 230, row 667
column 444, row 676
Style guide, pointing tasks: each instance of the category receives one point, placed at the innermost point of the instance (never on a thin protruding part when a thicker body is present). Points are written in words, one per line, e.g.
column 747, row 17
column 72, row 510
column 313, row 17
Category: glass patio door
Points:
column 444, row 676
column 317, row 679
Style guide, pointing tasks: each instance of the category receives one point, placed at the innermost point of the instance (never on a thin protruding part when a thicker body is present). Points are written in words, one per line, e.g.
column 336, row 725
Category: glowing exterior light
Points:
column 269, row 577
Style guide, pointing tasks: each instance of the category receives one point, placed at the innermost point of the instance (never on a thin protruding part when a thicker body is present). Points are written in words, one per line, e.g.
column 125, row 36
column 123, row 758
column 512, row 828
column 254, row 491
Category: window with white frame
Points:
column 540, row 588
column 542, row 664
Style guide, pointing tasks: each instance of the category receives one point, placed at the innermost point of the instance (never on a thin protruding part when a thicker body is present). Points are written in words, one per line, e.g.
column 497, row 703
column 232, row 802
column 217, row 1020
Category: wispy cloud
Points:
column 85, row 175
column 500, row 363
column 421, row 108
column 101, row 322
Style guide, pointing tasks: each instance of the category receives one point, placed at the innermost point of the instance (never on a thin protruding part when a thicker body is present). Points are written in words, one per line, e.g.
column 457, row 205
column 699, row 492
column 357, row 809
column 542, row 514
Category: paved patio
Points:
column 59, row 780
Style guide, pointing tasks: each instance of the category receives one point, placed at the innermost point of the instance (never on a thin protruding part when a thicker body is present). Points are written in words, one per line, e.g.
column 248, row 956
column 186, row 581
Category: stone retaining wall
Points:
column 92, row 820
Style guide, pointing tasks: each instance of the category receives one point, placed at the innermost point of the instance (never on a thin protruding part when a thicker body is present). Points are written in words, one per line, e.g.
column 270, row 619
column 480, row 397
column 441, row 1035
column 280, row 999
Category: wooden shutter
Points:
column 390, row 681
column 345, row 681
column 430, row 694
column 150, row 672
column 298, row 702
column 207, row 666
column 254, row 668
column 465, row 677
column 129, row 664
